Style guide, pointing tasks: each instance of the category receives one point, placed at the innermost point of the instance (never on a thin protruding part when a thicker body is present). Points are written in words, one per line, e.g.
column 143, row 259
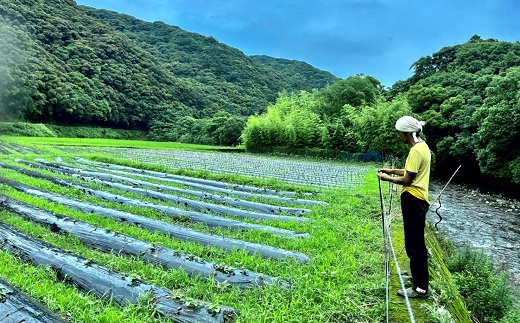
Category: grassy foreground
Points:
column 343, row 282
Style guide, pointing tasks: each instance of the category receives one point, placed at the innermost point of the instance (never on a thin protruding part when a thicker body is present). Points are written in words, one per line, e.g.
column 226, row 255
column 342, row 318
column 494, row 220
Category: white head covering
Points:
column 409, row 124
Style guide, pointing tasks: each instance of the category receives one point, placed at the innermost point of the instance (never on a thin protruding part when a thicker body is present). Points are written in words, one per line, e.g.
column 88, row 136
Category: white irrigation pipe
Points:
column 383, row 213
column 386, row 232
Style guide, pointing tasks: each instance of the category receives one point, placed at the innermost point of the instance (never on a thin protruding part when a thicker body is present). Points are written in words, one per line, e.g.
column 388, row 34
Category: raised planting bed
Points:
column 120, row 244
column 15, row 306
column 22, row 149
column 3, row 150
column 153, row 225
column 108, row 284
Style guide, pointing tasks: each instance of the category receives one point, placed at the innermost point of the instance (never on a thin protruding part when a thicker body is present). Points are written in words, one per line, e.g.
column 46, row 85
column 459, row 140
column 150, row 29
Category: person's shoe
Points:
column 412, row 292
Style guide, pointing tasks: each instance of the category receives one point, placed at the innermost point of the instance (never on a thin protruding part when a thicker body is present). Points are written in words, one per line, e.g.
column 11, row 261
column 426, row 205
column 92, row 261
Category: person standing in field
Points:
column 414, row 178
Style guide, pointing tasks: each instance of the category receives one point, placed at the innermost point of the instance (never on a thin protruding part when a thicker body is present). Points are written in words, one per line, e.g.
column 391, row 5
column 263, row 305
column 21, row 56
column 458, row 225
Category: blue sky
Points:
column 381, row 38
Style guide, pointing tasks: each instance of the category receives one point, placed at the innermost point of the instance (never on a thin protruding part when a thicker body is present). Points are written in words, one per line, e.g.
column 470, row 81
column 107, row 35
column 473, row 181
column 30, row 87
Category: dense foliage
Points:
column 302, row 75
column 486, row 290
column 222, row 129
column 67, row 64
column 469, row 96
column 314, row 119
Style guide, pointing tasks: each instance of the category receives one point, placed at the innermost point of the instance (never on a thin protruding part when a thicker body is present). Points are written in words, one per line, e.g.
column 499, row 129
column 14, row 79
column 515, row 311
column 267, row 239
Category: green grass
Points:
column 98, row 142
column 343, row 282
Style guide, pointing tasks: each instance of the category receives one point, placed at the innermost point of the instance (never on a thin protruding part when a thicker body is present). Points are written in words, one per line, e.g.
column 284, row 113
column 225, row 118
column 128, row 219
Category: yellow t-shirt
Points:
column 418, row 165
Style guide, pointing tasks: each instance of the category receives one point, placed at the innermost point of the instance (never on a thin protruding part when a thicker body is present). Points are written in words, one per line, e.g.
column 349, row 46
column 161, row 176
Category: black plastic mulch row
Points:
column 109, row 241
column 17, row 148
column 106, row 283
column 15, row 306
column 153, row 225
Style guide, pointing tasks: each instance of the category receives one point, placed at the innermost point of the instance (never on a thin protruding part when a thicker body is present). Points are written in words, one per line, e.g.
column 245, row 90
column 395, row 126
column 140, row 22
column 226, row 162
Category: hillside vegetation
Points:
column 303, row 75
column 468, row 94
column 67, row 64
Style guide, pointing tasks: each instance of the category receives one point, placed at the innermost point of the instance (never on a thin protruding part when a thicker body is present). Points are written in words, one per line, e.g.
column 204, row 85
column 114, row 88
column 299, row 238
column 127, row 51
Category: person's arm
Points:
column 391, row 171
column 404, row 178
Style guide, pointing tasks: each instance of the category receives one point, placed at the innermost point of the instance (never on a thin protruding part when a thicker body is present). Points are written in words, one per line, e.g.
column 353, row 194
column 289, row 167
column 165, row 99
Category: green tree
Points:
column 226, row 129
column 451, row 105
column 354, row 90
column 291, row 122
column 256, row 136
column 374, row 126
column 338, row 136
column 498, row 151
column 423, row 98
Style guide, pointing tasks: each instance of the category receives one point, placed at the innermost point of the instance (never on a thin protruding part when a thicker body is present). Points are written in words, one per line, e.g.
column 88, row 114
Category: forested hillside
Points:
column 68, row 64
column 226, row 76
column 468, row 94
column 302, row 75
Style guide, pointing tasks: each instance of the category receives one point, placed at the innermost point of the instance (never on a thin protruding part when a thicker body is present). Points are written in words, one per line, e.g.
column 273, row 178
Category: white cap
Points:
column 409, row 124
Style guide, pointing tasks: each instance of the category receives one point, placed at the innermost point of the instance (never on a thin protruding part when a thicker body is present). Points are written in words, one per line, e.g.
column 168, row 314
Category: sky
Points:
column 380, row 38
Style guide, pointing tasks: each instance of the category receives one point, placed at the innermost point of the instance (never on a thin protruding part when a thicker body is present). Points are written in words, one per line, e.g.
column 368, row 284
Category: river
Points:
column 487, row 221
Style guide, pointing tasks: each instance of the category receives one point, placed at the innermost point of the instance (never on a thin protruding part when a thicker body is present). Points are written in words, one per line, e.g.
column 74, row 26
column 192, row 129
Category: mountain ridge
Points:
column 101, row 68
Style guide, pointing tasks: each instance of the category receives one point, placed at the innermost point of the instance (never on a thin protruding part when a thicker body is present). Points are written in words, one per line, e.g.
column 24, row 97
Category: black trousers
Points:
column 414, row 219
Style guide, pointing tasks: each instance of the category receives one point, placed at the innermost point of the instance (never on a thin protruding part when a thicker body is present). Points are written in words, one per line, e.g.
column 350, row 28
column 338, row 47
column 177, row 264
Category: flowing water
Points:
column 488, row 222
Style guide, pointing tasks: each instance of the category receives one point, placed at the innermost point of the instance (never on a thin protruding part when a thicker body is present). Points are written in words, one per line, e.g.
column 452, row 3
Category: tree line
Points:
column 468, row 94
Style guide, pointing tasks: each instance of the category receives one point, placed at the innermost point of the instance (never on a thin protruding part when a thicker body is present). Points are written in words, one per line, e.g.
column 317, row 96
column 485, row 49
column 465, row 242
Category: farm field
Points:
column 308, row 173
column 101, row 234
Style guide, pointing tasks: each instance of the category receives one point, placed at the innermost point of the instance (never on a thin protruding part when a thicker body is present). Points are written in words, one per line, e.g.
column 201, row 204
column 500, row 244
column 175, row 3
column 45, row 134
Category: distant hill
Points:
column 69, row 64
column 301, row 74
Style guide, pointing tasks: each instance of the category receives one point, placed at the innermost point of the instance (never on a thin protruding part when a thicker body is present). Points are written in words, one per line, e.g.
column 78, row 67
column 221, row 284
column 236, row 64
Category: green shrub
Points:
column 487, row 292
column 93, row 132
column 25, row 129
column 513, row 316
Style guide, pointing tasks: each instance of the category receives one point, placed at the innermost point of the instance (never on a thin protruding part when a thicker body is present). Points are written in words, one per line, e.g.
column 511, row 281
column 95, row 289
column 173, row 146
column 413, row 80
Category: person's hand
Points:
column 382, row 174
